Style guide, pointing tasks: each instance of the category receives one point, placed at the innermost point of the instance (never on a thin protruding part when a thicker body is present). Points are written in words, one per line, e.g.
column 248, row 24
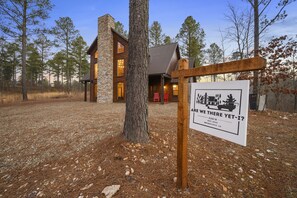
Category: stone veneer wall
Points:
column 105, row 59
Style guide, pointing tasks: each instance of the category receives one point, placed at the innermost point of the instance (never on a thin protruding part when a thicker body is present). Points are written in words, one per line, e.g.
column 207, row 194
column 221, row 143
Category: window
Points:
column 96, row 71
column 96, row 54
column 120, row 94
column 120, row 48
column 120, row 67
column 175, row 90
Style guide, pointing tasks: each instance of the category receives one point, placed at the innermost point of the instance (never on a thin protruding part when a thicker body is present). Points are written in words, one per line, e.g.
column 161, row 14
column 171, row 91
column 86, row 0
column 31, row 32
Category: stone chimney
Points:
column 105, row 59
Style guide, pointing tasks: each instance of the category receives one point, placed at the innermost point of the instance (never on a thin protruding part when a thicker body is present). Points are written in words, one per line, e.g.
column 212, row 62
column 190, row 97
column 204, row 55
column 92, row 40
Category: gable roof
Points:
column 119, row 34
column 163, row 59
column 191, row 66
column 93, row 46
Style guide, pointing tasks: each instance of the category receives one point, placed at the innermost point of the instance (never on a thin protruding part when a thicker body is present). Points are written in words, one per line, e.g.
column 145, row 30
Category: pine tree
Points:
column 136, row 126
column 20, row 18
column 119, row 27
column 65, row 33
column 167, row 40
column 44, row 45
column 57, row 65
column 34, row 64
column 191, row 36
column 79, row 55
column 215, row 55
column 155, row 34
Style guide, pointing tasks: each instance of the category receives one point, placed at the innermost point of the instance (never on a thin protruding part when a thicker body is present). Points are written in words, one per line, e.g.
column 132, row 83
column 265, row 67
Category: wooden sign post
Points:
column 183, row 74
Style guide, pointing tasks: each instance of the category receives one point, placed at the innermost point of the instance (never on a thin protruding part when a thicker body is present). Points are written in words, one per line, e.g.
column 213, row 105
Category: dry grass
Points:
column 10, row 98
column 75, row 149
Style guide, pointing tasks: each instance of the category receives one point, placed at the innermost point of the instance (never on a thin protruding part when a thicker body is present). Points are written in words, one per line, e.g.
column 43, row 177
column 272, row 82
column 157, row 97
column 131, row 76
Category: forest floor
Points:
column 76, row 149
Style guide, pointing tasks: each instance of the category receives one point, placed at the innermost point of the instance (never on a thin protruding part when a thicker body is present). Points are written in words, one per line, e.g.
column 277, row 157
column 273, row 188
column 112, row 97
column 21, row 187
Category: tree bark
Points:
column 67, row 65
column 24, row 52
column 42, row 67
column 256, row 44
column 136, row 125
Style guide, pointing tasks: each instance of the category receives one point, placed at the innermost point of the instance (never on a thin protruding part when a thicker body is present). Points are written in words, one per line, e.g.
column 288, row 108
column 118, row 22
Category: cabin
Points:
column 109, row 58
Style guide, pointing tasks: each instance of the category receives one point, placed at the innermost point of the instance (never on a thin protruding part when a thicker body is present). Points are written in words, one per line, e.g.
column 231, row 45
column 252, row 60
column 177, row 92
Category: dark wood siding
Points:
column 154, row 79
column 116, row 57
column 93, row 81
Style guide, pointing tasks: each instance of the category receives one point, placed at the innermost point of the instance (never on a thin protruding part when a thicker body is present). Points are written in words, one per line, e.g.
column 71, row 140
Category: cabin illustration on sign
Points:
column 216, row 102
column 108, row 61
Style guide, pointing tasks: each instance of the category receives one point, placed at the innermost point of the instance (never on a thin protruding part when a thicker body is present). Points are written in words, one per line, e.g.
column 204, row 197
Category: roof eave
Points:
column 93, row 45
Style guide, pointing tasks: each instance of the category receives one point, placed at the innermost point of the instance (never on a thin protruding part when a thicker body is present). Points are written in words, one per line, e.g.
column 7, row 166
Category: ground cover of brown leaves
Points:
column 75, row 149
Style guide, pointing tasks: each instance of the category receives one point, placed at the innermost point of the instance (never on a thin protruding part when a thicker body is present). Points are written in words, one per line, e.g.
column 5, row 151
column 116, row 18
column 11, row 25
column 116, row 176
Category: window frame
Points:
column 123, row 72
column 175, row 90
column 119, row 44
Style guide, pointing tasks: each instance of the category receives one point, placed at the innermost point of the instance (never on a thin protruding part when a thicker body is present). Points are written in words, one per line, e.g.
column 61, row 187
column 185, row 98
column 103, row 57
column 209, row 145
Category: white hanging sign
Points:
column 221, row 109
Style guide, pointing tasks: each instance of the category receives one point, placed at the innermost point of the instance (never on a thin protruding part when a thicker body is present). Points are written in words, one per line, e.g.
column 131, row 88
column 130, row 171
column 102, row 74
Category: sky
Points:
column 170, row 13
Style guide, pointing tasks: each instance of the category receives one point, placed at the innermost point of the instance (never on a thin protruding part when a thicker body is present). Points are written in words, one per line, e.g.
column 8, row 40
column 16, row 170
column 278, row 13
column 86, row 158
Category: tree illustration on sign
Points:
column 228, row 103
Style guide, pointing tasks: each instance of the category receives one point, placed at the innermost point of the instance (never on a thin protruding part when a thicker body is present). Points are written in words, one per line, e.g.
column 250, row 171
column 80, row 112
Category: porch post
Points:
column 162, row 89
column 86, row 85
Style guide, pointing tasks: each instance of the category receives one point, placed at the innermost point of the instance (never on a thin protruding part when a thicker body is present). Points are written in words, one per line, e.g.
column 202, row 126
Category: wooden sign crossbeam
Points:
column 222, row 68
column 183, row 74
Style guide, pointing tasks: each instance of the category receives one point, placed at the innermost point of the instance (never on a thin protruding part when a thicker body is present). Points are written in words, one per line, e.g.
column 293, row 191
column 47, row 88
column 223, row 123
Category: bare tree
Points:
column 261, row 23
column 223, row 48
column 136, row 126
column 280, row 71
column 240, row 30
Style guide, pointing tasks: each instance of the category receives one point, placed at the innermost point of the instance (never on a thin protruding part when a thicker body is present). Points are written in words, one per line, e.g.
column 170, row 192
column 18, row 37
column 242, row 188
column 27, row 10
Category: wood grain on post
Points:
column 183, row 74
column 249, row 64
column 182, row 127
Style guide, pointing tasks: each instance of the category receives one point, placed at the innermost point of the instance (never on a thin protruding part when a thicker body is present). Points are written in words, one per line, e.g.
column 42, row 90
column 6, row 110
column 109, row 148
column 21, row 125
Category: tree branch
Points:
column 265, row 6
column 251, row 2
column 13, row 18
column 273, row 20
column 16, row 8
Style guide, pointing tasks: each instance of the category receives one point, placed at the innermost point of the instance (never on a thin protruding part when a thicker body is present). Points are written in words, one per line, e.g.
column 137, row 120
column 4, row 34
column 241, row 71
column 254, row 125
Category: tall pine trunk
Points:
column 136, row 125
column 256, row 44
column 79, row 72
column 24, row 52
column 42, row 67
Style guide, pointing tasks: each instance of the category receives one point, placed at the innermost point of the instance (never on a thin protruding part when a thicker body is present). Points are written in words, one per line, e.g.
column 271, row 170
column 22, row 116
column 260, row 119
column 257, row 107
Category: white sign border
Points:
column 243, row 86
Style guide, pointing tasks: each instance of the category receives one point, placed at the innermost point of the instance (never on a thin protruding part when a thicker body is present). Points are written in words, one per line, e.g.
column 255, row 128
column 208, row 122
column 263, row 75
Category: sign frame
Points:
column 183, row 74
column 221, row 109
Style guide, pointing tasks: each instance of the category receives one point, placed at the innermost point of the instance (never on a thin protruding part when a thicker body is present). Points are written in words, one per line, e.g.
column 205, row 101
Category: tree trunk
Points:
column 79, row 71
column 14, row 70
column 294, row 83
column 256, row 44
column 67, row 65
column 136, row 126
column 49, row 77
column 58, row 79
column 42, row 67
column 24, row 52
